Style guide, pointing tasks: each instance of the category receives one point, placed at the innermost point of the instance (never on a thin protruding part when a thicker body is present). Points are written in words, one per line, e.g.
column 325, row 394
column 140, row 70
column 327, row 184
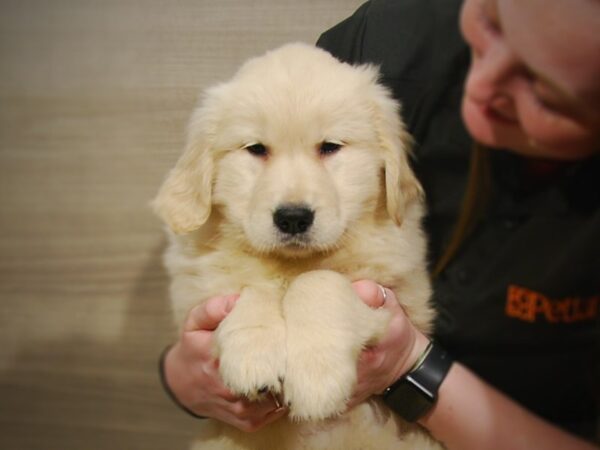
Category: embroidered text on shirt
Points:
column 531, row 306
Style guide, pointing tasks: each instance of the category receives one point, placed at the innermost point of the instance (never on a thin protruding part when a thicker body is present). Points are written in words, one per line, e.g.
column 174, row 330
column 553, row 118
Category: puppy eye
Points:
column 257, row 149
column 329, row 147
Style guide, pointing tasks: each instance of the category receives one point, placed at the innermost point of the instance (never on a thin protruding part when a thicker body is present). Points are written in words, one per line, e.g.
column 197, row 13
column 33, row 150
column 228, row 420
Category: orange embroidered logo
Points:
column 531, row 306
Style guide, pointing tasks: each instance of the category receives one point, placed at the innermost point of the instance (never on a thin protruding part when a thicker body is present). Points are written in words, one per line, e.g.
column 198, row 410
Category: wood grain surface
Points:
column 94, row 97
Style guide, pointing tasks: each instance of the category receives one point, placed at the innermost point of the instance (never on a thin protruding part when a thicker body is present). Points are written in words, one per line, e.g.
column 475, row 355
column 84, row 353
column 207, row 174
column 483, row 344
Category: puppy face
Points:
column 293, row 183
column 292, row 151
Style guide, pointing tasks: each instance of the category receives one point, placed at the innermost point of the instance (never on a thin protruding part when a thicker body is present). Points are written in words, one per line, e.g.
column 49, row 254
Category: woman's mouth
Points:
column 498, row 116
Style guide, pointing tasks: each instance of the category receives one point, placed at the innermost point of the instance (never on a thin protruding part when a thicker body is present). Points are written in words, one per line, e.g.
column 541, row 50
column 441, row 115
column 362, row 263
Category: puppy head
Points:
column 292, row 151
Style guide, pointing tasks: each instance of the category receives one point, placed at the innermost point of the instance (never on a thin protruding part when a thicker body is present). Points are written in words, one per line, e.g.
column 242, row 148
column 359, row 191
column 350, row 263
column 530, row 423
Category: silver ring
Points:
column 384, row 293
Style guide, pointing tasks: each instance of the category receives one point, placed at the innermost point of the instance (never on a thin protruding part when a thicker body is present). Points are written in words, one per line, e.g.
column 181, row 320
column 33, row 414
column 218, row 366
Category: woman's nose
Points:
column 490, row 73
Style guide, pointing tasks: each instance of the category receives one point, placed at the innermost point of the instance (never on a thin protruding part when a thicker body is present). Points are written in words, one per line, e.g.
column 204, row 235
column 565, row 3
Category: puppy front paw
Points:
column 327, row 327
column 319, row 382
column 252, row 360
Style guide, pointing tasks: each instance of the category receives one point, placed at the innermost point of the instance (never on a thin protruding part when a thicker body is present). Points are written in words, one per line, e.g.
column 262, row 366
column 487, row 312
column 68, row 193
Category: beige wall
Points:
column 94, row 96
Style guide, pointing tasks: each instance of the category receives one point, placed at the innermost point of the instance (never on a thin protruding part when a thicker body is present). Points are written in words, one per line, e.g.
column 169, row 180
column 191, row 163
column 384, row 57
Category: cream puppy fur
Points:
column 294, row 182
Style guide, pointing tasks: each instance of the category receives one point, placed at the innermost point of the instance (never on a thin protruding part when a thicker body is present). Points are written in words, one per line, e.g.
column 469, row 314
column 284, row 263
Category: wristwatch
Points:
column 413, row 395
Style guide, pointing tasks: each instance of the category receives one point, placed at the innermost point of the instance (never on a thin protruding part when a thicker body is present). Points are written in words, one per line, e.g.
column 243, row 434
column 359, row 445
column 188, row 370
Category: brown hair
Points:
column 473, row 204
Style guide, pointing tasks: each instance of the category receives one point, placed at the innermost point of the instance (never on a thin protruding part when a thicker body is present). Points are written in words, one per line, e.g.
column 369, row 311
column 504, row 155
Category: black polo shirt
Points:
column 519, row 303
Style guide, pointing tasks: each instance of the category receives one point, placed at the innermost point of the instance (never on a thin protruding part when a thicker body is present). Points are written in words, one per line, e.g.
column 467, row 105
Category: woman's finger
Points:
column 208, row 315
column 275, row 414
column 253, row 415
column 373, row 294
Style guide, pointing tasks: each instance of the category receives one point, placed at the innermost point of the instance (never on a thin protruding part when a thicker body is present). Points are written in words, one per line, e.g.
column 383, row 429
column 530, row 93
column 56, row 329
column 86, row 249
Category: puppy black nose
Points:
column 293, row 219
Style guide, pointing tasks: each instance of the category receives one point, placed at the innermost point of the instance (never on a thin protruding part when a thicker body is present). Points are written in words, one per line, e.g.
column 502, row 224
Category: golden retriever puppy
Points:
column 295, row 182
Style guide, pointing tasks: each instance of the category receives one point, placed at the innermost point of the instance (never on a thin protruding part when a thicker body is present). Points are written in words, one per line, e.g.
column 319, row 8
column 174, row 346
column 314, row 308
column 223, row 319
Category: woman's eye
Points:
column 548, row 99
column 546, row 105
column 257, row 149
column 329, row 147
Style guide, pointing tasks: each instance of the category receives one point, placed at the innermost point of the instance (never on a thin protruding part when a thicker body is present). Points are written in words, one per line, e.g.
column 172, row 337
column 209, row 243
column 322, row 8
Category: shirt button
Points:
column 462, row 275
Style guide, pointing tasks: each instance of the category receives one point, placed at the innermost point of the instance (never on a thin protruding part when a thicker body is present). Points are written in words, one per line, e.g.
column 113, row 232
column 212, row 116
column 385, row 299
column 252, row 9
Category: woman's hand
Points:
column 191, row 372
column 393, row 356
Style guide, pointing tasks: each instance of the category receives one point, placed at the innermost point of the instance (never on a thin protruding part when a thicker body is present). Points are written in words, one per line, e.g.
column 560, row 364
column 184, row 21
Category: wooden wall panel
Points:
column 94, row 97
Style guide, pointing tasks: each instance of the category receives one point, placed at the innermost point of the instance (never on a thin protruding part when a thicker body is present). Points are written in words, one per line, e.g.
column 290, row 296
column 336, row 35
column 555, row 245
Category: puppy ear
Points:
column 184, row 199
column 401, row 185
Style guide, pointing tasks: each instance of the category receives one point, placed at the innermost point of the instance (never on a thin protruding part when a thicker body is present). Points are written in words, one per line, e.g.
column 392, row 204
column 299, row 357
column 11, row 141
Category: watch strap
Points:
column 413, row 395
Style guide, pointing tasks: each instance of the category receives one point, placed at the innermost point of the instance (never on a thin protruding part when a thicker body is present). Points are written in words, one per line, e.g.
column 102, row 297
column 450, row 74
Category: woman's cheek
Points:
column 556, row 135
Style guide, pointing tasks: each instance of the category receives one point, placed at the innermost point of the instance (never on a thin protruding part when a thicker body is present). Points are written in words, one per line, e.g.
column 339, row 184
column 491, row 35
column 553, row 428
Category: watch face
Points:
column 409, row 400
column 420, row 385
column 414, row 394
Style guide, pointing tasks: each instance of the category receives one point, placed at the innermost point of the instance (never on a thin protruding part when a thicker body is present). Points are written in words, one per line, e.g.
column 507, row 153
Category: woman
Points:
column 517, row 282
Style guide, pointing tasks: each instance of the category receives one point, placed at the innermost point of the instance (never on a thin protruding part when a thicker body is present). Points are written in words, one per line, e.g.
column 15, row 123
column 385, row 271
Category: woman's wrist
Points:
column 419, row 347
column 414, row 394
column 416, row 349
column 169, row 372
